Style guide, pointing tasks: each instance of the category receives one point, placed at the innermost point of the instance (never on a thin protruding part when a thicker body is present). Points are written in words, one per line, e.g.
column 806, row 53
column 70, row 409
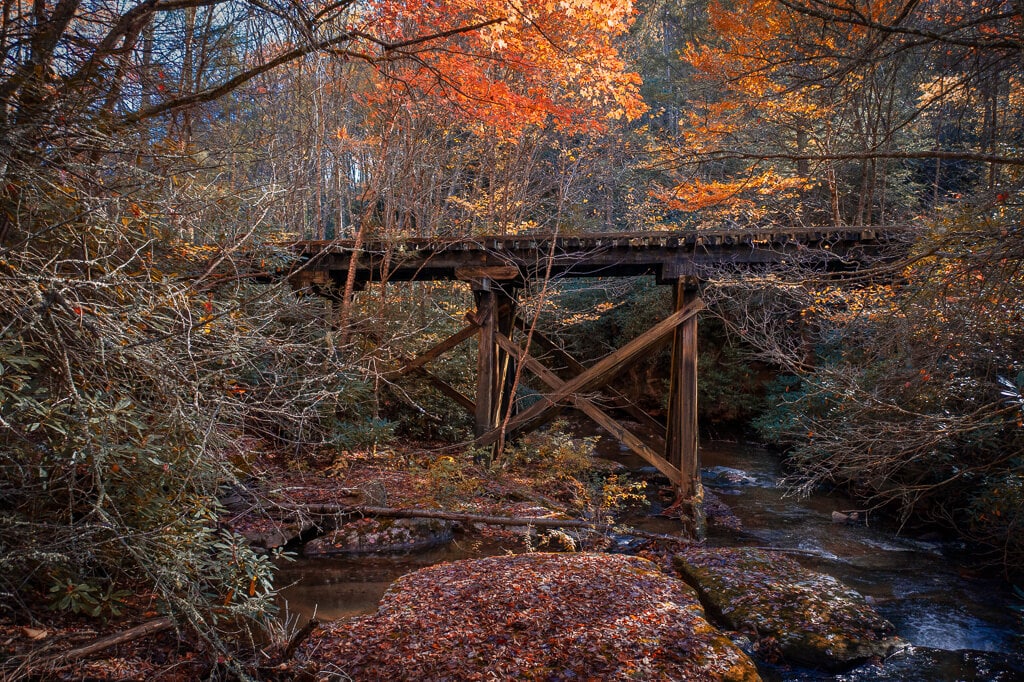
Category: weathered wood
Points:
column 449, row 390
column 486, row 365
column 681, row 432
column 299, row 637
column 588, row 408
column 666, row 255
column 142, row 630
column 438, row 349
column 505, row 320
column 498, row 273
column 485, row 519
column 596, row 376
column 575, row 368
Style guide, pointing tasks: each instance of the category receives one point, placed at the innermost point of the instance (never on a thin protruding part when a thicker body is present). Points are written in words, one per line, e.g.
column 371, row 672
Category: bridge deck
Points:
column 666, row 255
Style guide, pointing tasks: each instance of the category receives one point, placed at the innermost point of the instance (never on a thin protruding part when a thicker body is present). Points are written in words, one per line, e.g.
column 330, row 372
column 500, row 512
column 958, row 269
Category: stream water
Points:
column 961, row 626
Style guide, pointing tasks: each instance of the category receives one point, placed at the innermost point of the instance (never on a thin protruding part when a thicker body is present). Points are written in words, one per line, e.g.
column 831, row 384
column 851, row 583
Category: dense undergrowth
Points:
column 909, row 394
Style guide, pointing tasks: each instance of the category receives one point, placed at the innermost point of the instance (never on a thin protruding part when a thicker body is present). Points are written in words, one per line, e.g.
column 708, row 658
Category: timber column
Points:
column 681, row 430
column 495, row 313
column 487, row 399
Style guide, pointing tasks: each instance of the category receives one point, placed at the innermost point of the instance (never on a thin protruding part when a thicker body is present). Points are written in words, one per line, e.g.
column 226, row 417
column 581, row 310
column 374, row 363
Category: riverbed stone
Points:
column 811, row 618
column 539, row 616
column 381, row 536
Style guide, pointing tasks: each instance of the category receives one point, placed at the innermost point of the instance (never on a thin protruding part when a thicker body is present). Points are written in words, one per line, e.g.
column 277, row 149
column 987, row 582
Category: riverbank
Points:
column 955, row 623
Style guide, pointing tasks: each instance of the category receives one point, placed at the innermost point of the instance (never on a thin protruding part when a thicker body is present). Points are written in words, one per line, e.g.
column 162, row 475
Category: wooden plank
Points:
column 576, row 368
column 438, row 349
column 588, row 408
column 596, row 376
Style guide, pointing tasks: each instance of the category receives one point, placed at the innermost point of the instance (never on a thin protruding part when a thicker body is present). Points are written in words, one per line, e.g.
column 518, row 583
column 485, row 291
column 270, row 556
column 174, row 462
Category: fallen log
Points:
column 489, row 520
column 142, row 630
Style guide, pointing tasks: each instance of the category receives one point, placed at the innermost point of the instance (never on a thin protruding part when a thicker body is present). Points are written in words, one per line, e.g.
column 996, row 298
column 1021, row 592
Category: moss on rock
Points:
column 813, row 618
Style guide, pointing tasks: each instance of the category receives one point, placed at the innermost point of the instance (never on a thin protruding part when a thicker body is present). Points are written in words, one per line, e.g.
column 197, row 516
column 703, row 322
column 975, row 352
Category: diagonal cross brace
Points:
column 598, row 375
column 438, row 349
column 594, row 412
column 577, row 368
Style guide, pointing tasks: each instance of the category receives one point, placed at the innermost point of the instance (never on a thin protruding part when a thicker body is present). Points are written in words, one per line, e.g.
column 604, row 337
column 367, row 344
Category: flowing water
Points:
column 961, row 626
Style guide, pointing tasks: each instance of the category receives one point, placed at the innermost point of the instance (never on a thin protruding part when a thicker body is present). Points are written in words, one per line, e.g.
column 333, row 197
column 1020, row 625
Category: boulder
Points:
column 533, row 616
column 811, row 618
column 381, row 536
column 265, row 533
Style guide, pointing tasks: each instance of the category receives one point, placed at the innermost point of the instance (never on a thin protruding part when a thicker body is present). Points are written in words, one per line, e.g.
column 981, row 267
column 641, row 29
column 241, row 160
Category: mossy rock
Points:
column 381, row 536
column 812, row 618
column 534, row 616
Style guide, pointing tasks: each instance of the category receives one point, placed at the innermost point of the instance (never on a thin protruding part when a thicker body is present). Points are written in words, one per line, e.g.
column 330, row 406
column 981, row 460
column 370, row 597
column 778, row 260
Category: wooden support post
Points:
column 505, row 315
column 681, row 432
column 487, row 386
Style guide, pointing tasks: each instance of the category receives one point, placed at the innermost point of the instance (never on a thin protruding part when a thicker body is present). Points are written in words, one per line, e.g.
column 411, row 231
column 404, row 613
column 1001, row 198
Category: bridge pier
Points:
column 678, row 460
column 493, row 323
column 495, row 314
column 681, row 431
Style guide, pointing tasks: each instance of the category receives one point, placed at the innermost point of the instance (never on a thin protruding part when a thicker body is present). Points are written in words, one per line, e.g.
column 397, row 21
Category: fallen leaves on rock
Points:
column 534, row 617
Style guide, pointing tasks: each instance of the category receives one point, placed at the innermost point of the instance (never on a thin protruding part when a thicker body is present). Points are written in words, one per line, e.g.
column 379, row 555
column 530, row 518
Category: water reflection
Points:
column 950, row 618
column 342, row 588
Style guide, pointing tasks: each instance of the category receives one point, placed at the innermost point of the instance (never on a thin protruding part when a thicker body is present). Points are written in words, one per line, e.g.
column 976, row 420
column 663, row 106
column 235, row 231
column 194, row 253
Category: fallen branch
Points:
column 148, row 628
column 461, row 517
column 299, row 638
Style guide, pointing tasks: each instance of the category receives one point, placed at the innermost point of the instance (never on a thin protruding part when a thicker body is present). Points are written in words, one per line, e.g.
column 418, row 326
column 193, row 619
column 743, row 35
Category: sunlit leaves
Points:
column 550, row 61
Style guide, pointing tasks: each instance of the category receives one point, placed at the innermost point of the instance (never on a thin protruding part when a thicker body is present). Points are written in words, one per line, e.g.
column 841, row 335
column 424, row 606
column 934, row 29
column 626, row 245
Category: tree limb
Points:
column 142, row 630
column 486, row 519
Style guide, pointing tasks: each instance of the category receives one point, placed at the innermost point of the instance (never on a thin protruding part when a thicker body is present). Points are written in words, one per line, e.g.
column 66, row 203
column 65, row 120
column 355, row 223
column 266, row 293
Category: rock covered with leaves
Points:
column 812, row 618
column 531, row 616
column 381, row 536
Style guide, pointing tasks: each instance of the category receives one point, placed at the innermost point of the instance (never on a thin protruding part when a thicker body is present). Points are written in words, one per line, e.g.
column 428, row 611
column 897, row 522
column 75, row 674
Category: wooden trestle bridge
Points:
column 498, row 267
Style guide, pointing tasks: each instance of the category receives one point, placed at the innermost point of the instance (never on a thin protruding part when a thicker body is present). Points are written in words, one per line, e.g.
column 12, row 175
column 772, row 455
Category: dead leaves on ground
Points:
column 535, row 617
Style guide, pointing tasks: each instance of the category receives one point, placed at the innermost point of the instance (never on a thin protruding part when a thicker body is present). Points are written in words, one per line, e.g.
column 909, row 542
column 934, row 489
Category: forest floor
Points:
column 553, row 477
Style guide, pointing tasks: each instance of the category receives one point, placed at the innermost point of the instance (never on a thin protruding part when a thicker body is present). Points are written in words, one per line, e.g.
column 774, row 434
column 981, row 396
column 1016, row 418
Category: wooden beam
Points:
column 487, row 388
column 588, row 408
column 596, row 376
column 501, row 273
column 438, row 349
column 681, row 432
column 505, row 320
column 449, row 390
column 575, row 368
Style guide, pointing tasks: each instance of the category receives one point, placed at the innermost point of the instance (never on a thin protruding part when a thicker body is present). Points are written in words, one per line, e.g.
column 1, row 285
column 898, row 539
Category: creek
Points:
column 961, row 625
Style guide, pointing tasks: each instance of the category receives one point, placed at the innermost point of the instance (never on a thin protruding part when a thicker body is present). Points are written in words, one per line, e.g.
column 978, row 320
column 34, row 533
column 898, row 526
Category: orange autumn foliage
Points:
column 527, row 64
column 748, row 94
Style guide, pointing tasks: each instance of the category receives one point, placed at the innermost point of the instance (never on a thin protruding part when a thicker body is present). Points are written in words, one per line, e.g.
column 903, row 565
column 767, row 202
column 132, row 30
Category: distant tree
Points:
column 827, row 114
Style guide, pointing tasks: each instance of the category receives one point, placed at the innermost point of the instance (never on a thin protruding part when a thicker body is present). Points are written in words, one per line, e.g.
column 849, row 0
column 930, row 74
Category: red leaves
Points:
column 532, row 616
column 552, row 61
